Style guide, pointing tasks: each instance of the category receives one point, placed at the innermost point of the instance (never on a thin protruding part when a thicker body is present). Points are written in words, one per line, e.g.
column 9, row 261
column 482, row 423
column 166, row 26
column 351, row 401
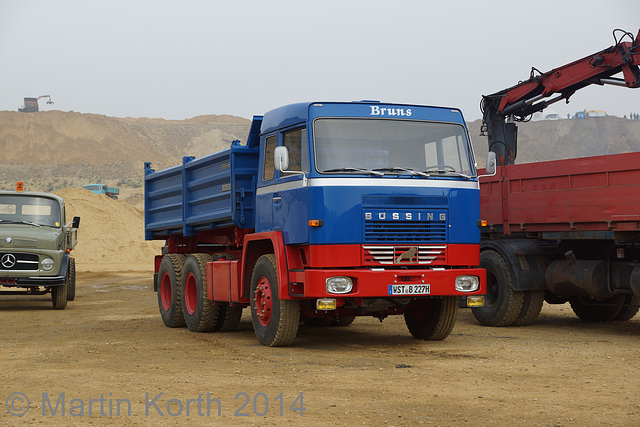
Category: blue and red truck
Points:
column 331, row 210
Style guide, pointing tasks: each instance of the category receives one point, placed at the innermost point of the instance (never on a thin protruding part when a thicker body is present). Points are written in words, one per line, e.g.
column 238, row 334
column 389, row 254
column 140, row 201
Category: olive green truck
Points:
column 35, row 246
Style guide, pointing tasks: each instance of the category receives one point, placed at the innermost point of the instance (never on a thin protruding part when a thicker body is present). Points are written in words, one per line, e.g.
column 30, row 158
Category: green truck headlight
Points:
column 47, row 264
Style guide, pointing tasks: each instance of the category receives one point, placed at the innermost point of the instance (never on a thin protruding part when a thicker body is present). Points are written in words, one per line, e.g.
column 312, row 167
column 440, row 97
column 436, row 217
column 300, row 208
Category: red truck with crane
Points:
column 566, row 230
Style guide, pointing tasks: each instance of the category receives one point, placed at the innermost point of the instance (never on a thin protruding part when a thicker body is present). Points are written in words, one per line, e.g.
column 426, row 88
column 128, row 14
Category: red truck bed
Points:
column 585, row 194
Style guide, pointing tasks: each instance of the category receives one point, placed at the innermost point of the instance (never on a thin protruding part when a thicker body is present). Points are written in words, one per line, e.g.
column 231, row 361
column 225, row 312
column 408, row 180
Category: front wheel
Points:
column 275, row 321
column 71, row 280
column 502, row 305
column 531, row 307
column 343, row 321
column 59, row 297
column 433, row 318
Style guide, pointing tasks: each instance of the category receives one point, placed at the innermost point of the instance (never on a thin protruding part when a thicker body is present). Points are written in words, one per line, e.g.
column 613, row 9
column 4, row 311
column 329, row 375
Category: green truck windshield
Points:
column 391, row 146
column 29, row 210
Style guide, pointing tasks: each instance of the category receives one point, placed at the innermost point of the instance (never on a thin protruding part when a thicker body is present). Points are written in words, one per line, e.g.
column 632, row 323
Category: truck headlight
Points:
column 338, row 285
column 467, row 283
column 47, row 264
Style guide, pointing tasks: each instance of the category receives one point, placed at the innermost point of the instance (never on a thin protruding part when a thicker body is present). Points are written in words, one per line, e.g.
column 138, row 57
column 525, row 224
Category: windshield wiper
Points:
column 453, row 173
column 350, row 169
column 20, row 222
column 410, row 171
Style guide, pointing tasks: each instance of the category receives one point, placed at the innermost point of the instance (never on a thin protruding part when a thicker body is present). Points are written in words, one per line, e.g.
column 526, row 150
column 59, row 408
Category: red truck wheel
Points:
column 275, row 321
column 200, row 314
column 431, row 319
column 169, row 290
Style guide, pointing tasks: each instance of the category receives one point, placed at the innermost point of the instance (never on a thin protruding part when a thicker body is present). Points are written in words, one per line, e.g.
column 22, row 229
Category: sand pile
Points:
column 111, row 233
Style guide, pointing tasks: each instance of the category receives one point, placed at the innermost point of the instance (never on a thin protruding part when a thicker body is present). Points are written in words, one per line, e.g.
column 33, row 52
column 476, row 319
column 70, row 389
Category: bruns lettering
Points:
column 384, row 111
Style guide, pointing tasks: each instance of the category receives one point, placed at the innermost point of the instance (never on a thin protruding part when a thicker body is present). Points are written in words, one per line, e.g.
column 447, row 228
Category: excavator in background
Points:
column 565, row 230
column 31, row 104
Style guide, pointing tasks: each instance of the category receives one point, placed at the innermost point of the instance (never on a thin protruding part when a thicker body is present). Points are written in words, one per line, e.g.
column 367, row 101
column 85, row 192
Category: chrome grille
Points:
column 404, row 254
column 10, row 261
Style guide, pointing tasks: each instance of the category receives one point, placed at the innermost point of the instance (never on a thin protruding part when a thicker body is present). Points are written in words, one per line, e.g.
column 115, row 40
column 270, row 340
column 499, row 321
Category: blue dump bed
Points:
column 211, row 192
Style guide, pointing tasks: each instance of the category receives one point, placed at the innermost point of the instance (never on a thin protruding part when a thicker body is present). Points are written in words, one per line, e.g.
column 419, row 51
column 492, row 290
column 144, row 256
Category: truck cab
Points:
column 35, row 246
column 379, row 178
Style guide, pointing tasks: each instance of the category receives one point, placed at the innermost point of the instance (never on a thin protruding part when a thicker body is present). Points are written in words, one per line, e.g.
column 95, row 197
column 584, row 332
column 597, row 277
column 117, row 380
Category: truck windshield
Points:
column 387, row 146
column 30, row 210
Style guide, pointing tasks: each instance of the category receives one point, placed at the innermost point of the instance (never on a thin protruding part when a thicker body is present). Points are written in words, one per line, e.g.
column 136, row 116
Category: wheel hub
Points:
column 263, row 301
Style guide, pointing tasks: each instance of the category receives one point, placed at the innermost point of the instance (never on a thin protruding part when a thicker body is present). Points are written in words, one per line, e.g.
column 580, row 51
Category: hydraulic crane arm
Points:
column 502, row 109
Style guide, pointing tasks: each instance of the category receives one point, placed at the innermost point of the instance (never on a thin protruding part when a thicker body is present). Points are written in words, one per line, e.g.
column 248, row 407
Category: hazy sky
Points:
column 180, row 59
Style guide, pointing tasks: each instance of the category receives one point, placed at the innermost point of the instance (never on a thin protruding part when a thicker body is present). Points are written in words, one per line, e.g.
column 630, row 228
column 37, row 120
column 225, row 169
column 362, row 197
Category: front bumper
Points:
column 27, row 282
column 377, row 282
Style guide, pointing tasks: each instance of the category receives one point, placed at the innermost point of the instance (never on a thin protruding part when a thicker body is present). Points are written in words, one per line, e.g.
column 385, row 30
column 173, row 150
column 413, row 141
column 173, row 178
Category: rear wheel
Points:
column 200, row 314
column 228, row 318
column 71, row 280
column 275, row 321
column 170, row 290
column 59, row 297
column 630, row 308
column 502, row 305
column 591, row 310
column 431, row 319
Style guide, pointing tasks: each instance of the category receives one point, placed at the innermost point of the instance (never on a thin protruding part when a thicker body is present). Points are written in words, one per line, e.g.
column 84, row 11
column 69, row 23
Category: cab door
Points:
column 290, row 198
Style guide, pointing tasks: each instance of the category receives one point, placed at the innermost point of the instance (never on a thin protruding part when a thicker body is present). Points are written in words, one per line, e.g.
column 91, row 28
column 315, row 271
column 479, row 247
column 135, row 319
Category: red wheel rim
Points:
column 190, row 293
column 263, row 300
column 165, row 291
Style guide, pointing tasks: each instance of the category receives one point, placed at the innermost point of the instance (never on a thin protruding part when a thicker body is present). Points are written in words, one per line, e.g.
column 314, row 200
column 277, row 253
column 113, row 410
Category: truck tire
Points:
column 343, row 321
column 71, row 280
column 629, row 309
column 531, row 307
column 59, row 297
column 590, row 310
column 431, row 319
column 502, row 305
column 275, row 321
column 319, row 322
column 170, row 290
column 228, row 318
column 200, row 314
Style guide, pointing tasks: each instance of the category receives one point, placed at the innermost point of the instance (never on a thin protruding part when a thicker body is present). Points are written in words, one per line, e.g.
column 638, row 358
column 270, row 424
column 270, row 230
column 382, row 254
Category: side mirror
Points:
column 491, row 163
column 76, row 222
column 281, row 158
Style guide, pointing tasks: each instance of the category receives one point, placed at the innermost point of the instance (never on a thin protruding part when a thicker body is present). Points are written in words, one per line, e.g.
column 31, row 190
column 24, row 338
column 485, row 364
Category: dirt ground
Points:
column 108, row 359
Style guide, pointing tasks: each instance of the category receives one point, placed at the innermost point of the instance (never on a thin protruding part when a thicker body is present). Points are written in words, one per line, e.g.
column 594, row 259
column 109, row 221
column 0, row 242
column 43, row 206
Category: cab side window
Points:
column 296, row 143
column 269, row 149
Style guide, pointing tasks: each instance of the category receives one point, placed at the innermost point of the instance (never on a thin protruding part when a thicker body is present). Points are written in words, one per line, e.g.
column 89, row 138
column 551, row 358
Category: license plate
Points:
column 409, row 289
